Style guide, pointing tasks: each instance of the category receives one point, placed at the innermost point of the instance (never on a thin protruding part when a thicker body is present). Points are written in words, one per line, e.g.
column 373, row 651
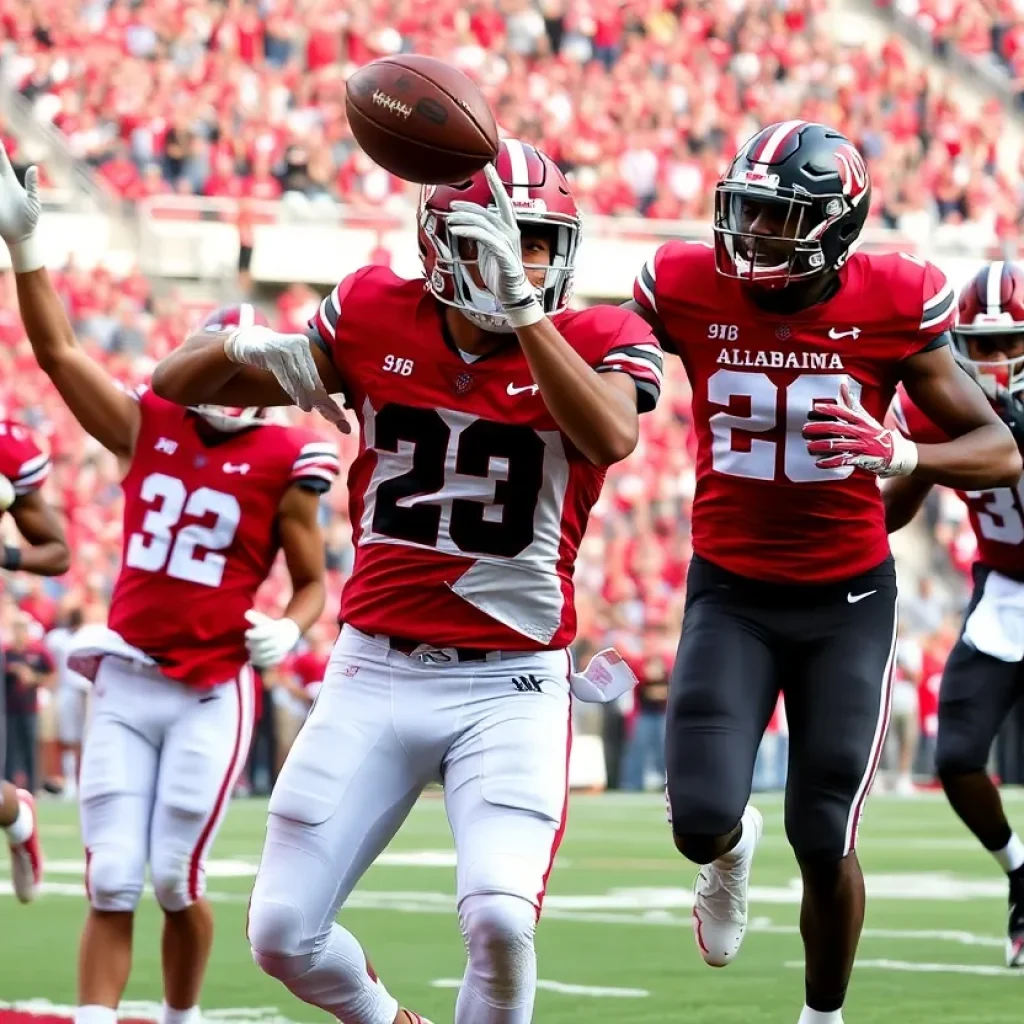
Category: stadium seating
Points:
column 640, row 101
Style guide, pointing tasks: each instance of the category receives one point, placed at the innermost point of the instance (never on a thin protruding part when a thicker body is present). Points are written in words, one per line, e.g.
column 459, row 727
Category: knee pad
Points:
column 955, row 755
column 112, row 882
column 701, row 849
column 173, row 885
column 498, row 932
column 699, row 822
column 279, row 947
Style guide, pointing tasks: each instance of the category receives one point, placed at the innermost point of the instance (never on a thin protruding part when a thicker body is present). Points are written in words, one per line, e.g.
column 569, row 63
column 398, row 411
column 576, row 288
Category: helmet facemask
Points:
column 451, row 280
column 772, row 236
column 991, row 349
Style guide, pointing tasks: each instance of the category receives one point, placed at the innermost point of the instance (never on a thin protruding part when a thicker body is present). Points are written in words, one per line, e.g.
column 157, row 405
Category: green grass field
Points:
column 615, row 943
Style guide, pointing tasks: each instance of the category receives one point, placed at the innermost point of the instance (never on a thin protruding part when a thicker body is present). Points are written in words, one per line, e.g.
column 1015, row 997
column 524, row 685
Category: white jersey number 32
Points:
column 163, row 545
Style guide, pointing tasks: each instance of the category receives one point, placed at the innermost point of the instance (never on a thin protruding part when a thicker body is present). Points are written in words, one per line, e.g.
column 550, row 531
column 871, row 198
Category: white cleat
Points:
column 720, row 898
column 27, row 857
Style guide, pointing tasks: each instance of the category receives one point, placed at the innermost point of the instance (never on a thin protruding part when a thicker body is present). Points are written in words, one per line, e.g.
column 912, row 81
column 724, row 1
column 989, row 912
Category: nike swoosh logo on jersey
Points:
column 512, row 390
column 835, row 335
column 854, row 598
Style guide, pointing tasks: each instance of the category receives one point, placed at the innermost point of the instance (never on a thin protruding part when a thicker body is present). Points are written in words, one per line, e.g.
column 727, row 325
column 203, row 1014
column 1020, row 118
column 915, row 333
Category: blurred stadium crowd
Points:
column 639, row 100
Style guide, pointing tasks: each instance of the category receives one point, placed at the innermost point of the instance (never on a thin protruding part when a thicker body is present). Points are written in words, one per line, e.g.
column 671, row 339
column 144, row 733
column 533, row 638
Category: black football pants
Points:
column 829, row 650
column 977, row 694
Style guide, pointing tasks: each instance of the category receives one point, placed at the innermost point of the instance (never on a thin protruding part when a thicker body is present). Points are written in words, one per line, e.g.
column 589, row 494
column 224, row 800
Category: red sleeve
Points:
column 939, row 309
column 645, row 287
column 632, row 349
column 316, row 464
column 324, row 322
column 22, row 460
column 911, row 422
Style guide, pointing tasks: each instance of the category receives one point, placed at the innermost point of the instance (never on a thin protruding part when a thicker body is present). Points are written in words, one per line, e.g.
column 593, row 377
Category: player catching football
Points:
column 793, row 347
column 488, row 414
column 984, row 676
column 24, row 468
column 210, row 496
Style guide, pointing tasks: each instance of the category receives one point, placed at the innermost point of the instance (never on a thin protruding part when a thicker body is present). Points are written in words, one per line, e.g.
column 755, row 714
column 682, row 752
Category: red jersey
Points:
column 22, row 461
column 996, row 516
column 200, row 535
column 467, row 502
column 762, row 508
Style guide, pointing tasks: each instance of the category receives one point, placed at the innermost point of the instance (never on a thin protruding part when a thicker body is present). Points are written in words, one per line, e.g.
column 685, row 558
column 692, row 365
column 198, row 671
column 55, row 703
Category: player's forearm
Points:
column 983, row 458
column 596, row 417
column 51, row 558
column 199, row 372
column 99, row 405
column 307, row 603
column 46, row 323
column 903, row 497
column 196, row 372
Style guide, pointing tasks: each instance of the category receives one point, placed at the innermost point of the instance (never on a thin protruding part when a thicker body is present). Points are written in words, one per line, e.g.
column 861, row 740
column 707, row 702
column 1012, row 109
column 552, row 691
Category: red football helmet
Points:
column 226, row 417
column 540, row 195
column 992, row 321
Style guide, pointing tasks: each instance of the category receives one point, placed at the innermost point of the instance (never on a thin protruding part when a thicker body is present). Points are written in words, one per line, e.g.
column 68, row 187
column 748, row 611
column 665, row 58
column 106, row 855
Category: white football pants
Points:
column 497, row 733
column 158, row 768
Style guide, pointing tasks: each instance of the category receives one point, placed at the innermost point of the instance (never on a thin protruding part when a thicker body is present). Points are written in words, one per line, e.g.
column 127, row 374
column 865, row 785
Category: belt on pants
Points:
column 440, row 655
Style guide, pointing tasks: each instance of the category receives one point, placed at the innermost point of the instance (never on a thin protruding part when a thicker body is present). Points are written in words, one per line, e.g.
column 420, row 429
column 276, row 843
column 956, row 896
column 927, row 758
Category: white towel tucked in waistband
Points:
column 996, row 626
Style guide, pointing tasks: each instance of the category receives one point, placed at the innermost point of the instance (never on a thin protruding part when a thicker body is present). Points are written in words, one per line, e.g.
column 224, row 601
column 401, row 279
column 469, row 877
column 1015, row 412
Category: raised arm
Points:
column 102, row 408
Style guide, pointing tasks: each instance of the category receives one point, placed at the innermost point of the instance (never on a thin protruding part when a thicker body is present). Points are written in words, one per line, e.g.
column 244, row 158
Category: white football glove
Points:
column 269, row 640
column 7, row 494
column 289, row 359
column 19, row 216
column 604, row 680
column 499, row 251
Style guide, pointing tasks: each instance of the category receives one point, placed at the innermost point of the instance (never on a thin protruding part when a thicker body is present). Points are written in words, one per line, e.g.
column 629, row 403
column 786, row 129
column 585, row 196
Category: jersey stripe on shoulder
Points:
column 644, row 363
column 644, row 288
column 940, row 307
column 317, row 460
column 32, row 474
column 326, row 317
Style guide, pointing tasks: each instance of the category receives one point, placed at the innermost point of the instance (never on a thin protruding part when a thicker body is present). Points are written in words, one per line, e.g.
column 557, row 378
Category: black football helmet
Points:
column 791, row 206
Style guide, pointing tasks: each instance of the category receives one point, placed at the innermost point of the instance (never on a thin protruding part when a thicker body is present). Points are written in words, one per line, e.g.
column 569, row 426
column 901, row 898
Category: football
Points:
column 421, row 119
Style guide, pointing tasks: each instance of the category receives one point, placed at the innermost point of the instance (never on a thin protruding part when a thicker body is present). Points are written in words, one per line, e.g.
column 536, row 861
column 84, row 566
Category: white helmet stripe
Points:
column 774, row 141
column 994, row 288
column 520, row 170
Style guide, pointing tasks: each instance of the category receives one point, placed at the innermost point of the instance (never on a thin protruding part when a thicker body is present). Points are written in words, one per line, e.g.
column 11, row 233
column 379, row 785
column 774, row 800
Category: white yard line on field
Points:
column 644, row 912
column 138, row 1010
column 912, row 967
column 561, row 987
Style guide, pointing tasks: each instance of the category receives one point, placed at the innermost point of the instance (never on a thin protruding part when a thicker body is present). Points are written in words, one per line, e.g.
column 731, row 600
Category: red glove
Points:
column 851, row 436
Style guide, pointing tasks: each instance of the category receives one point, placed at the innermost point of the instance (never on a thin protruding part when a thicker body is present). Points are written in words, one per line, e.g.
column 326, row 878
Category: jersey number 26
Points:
column 758, row 461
